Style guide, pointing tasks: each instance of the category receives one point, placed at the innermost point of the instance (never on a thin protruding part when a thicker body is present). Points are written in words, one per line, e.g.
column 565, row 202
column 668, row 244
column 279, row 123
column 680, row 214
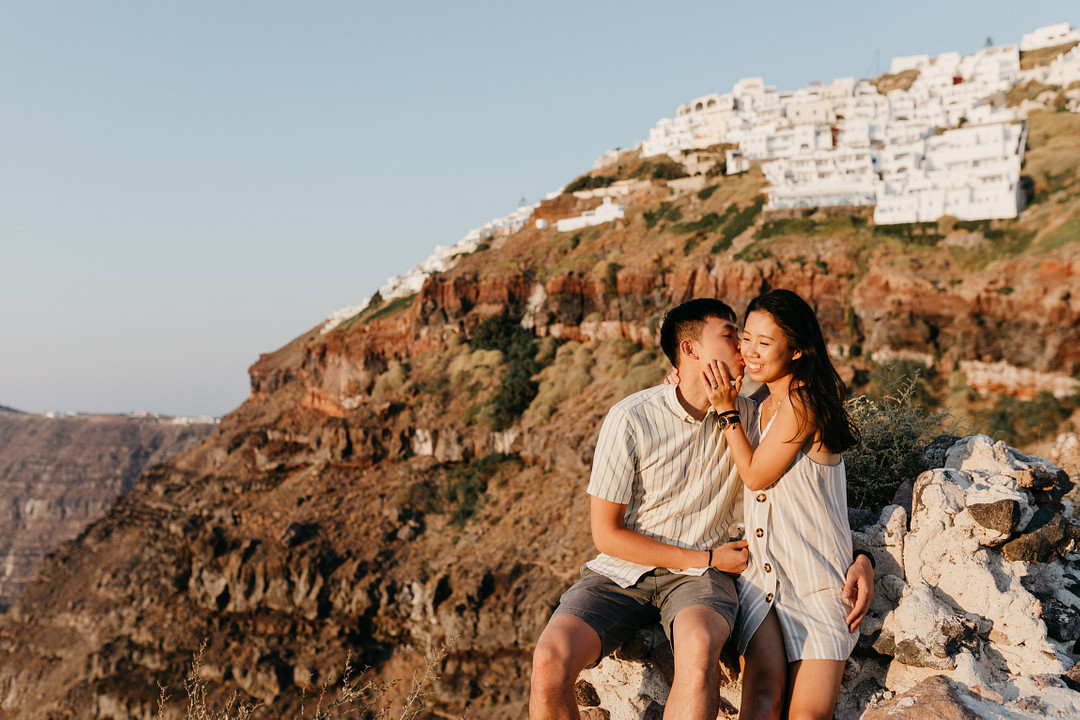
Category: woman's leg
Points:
column 814, row 686
column 764, row 672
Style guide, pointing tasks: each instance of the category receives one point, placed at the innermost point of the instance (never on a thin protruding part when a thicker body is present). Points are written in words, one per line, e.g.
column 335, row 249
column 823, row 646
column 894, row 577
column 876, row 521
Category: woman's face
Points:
column 765, row 348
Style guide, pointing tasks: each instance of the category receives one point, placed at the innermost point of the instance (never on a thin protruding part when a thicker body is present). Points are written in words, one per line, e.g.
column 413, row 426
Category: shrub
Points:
column 468, row 366
column 465, row 490
column 706, row 192
column 611, row 280
column 794, row 226
column 659, row 170
column 390, row 382
column 667, row 212
column 740, row 221
column 646, row 369
column 893, row 431
column 589, row 182
column 753, row 251
column 516, row 385
column 1021, row 422
column 707, row 223
column 567, row 377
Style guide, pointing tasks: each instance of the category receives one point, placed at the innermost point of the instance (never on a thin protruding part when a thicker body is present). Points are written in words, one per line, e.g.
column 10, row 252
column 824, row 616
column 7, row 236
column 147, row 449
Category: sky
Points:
column 186, row 185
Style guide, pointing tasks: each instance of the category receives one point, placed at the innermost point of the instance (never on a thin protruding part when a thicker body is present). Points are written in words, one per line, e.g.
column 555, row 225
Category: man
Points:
column 664, row 491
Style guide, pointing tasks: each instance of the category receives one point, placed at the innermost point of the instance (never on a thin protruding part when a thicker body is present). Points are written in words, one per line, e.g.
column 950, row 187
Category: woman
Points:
column 792, row 627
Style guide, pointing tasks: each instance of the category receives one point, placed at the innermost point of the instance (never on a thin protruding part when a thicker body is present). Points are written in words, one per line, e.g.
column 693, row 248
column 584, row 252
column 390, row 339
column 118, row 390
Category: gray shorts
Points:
column 614, row 612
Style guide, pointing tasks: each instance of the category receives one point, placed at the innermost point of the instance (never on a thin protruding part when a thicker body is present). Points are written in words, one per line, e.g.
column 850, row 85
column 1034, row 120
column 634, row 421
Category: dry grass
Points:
column 900, row 81
column 1042, row 56
column 354, row 698
column 566, row 377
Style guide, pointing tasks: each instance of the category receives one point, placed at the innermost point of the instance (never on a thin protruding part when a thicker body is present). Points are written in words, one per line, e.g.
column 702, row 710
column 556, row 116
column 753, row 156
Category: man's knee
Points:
column 565, row 647
column 699, row 634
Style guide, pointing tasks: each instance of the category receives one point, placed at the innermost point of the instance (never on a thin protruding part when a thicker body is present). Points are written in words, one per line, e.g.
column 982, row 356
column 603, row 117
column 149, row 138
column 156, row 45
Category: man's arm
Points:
column 860, row 580
column 611, row 537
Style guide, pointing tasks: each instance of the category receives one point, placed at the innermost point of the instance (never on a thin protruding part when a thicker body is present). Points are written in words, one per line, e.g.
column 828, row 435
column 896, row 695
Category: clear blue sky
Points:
column 184, row 185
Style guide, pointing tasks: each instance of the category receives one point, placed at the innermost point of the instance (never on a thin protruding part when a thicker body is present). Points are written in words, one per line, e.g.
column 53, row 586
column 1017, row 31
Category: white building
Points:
column 606, row 212
column 1049, row 36
column 970, row 173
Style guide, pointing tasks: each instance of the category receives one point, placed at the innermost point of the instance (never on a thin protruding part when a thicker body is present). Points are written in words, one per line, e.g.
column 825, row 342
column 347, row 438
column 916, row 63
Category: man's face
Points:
column 720, row 341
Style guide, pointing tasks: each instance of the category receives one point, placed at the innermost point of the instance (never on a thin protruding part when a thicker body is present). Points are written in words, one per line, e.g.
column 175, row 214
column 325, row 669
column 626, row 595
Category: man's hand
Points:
column 731, row 557
column 860, row 581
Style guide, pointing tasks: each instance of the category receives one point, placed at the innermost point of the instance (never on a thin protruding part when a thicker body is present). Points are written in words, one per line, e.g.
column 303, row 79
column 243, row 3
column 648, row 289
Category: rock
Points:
column 936, row 697
column 633, row 683
column 1047, row 537
column 858, row 518
column 902, row 496
column 585, row 694
column 1062, row 621
column 1000, row 518
column 595, row 713
column 923, row 632
column 934, row 453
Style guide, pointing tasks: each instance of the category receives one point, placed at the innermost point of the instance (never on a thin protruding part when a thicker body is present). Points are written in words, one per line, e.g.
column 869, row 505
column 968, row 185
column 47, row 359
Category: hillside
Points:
column 416, row 474
column 58, row 475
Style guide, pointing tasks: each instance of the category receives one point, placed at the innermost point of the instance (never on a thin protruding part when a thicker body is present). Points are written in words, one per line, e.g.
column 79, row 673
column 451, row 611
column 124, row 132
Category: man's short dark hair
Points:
column 686, row 322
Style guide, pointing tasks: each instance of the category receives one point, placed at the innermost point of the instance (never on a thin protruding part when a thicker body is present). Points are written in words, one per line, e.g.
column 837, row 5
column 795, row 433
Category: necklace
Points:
column 768, row 413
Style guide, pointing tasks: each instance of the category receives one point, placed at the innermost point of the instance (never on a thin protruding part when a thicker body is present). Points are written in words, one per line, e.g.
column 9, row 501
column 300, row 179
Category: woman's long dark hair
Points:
column 817, row 384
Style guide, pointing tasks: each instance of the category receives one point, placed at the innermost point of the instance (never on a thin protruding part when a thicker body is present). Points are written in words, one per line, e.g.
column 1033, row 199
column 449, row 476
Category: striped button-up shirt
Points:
column 673, row 473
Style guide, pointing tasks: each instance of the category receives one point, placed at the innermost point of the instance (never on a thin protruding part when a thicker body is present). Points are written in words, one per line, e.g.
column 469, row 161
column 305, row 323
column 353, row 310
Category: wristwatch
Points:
column 727, row 420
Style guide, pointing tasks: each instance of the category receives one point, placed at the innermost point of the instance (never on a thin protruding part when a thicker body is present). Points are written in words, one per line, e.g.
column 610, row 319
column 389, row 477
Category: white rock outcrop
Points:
column 976, row 604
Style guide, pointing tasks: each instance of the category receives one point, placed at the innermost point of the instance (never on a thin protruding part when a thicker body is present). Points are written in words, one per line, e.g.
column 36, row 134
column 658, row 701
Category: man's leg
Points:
column 764, row 672
column 564, row 649
column 698, row 635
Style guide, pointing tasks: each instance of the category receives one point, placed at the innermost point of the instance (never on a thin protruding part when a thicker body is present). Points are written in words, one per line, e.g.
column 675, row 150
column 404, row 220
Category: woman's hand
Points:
column 720, row 387
column 672, row 378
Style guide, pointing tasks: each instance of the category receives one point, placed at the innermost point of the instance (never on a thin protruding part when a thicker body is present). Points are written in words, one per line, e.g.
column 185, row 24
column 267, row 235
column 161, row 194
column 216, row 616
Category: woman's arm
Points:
column 761, row 468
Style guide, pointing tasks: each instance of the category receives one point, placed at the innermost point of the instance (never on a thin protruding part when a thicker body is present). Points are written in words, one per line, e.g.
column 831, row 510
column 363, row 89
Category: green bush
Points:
column 667, row 212
column 706, row 192
column 516, row 387
column 589, row 182
column 466, row 485
column 893, row 431
column 739, row 221
column 659, row 170
column 1021, row 422
column 794, row 226
column 568, row 376
column 611, row 280
column 390, row 308
column 390, row 382
column 707, row 223
column 468, row 367
column 645, row 369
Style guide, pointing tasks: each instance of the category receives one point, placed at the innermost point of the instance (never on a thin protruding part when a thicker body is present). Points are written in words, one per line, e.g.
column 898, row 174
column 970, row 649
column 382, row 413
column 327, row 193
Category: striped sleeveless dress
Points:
column 800, row 551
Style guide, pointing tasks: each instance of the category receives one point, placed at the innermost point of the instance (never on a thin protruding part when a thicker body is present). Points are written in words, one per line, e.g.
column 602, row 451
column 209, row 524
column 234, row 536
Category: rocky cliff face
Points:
column 385, row 488
column 59, row 475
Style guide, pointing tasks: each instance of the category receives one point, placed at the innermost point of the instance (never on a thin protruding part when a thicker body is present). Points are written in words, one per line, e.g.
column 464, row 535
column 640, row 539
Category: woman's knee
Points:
column 764, row 702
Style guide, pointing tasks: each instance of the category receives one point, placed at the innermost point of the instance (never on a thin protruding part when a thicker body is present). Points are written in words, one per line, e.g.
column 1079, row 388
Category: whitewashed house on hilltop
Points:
column 1049, row 36
column 606, row 212
column 969, row 173
column 946, row 144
